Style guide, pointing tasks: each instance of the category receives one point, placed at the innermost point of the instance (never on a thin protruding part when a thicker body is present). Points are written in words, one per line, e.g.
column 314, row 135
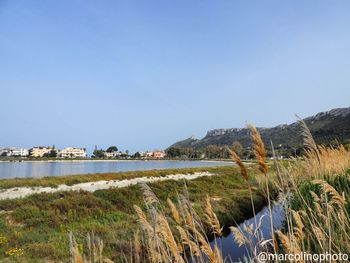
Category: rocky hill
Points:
column 325, row 127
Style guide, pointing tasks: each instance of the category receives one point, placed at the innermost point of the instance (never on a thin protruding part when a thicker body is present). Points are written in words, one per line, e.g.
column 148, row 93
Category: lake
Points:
column 41, row 169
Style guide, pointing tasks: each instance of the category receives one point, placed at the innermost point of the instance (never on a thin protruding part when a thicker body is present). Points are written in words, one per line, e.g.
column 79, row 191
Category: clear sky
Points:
column 144, row 74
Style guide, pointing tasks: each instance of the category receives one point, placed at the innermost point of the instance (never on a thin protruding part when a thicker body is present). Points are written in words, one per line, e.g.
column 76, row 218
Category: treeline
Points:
column 209, row 152
column 222, row 152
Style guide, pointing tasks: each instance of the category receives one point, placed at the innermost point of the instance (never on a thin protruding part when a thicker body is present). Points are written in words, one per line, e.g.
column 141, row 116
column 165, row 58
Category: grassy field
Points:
column 38, row 226
column 317, row 194
column 169, row 221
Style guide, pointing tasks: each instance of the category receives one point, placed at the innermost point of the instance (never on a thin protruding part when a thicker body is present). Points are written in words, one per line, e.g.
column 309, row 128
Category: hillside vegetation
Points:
column 326, row 127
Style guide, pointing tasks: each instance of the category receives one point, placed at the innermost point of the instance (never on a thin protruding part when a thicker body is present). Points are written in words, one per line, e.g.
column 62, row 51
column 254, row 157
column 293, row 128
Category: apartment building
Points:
column 155, row 154
column 40, row 151
column 14, row 151
column 22, row 152
column 72, row 152
column 158, row 154
column 113, row 154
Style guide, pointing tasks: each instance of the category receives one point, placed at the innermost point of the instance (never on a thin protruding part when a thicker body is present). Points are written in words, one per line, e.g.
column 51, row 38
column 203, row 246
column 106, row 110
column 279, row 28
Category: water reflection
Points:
column 232, row 251
column 40, row 169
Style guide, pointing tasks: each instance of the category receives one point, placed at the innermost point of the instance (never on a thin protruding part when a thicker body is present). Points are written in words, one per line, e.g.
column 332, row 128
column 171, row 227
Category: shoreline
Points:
column 55, row 181
column 112, row 160
column 70, row 161
column 42, row 169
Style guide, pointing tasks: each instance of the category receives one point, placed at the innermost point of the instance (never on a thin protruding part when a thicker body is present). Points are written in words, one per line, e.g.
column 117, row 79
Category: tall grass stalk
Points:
column 317, row 189
column 260, row 155
column 245, row 176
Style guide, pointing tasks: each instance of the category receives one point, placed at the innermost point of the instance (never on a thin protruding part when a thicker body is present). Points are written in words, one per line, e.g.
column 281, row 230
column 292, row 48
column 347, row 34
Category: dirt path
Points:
column 20, row 192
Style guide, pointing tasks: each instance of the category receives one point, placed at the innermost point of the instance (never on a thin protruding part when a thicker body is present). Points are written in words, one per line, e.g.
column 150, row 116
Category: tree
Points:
column 112, row 149
column 199, row 153
column 99, row 153
column 214, row 151
column 237, row 147
column 137, row 155
column 188, row 152
column 52, row 153
column 173, row 152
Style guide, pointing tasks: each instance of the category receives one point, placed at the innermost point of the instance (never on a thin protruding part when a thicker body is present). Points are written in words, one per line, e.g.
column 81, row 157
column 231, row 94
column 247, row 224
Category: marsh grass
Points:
column 317, row 219
column 39, row 224
column 174, row 218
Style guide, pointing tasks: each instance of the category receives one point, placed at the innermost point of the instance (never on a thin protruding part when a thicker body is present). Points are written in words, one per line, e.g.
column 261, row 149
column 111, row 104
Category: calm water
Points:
column 232, row 251
column 40, row 169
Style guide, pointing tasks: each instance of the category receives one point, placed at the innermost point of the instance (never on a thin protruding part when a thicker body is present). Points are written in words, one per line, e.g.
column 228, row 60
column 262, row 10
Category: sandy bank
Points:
column 19, row 192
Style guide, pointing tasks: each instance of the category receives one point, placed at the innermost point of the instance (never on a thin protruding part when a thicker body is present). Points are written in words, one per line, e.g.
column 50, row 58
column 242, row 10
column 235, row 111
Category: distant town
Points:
column 77, row 153
column 210, row 152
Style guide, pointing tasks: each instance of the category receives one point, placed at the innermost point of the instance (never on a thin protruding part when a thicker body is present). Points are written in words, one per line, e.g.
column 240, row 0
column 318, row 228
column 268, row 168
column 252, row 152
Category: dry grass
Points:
column 317, row 219
column 308, row 140
column 166, row 244
column 239, row 162
column 258, row 149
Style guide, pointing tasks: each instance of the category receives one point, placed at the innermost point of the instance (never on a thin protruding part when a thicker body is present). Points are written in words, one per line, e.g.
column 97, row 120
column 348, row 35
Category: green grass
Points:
column 40, row 223
column 340, row 182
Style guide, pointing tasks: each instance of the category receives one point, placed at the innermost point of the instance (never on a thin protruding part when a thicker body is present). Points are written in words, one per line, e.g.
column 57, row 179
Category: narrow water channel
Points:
column 232, row 252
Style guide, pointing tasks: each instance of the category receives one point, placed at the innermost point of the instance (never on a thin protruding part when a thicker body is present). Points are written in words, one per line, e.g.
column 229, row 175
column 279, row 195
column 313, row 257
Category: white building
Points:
column 4, row 151
column 148, row 154
column 143, row 154
column 14, row 151
column 22, row 152
column 113, row 154
column 72, row 152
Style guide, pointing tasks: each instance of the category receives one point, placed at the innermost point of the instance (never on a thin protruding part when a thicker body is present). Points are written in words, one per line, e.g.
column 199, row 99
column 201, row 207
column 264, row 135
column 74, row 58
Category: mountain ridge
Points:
column 325, row 126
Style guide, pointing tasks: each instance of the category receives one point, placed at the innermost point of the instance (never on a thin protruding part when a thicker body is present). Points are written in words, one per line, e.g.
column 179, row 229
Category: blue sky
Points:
column 144, row 74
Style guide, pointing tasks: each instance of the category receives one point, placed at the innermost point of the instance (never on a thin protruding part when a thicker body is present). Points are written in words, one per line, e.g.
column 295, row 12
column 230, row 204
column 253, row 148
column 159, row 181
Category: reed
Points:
column 245, row 175
column 212, row 219
column 317, row 189
column 260, row 155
